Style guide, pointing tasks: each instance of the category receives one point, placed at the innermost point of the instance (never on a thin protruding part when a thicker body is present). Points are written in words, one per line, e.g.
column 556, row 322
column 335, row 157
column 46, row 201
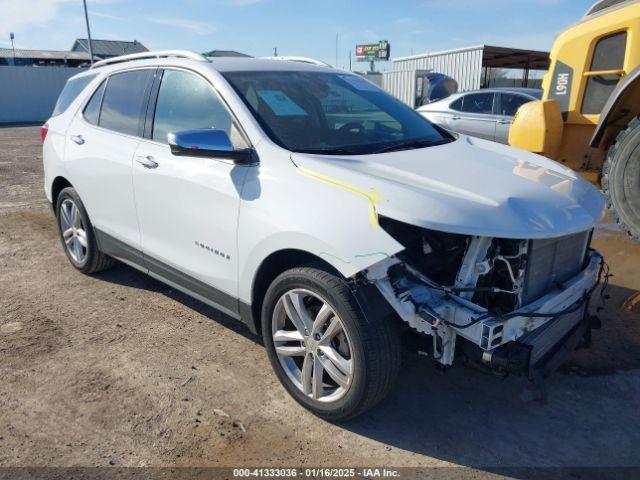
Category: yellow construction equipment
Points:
column 588, row 118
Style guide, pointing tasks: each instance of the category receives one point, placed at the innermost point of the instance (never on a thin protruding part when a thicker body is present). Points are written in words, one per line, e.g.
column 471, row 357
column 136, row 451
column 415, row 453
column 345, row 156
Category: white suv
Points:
column 324, row 214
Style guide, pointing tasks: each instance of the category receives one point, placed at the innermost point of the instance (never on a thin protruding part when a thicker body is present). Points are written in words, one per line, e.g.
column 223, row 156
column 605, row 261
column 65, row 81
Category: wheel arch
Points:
column 621, row 107
column 59, row 183
column 272, row 266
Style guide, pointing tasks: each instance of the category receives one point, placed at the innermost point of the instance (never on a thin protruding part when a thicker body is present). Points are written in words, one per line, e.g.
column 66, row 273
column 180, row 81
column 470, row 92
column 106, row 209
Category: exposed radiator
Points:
column 551, row 262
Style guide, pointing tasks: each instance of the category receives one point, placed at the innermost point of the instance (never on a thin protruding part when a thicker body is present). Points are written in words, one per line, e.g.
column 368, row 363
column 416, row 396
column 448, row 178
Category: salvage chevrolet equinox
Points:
column 324, row 214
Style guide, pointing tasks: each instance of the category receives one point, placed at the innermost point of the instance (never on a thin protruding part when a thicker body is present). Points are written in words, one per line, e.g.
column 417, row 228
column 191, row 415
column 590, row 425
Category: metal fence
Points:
column 28, row 94
column 402, row 84
column 465, row 65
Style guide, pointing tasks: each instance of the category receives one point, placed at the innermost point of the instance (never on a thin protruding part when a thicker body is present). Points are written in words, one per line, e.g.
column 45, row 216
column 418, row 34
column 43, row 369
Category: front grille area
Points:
column 543, row 339
column 551, row 262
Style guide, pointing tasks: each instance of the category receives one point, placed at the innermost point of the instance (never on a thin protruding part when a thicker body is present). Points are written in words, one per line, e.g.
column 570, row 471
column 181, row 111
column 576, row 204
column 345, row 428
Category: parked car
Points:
column 323, row 213
column 484, row 113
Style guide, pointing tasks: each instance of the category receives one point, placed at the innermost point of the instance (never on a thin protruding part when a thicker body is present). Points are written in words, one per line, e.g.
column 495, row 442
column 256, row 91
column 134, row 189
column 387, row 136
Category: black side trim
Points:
column 151, row 104
column 246, row 314
column 120, row 250
column 196, row 286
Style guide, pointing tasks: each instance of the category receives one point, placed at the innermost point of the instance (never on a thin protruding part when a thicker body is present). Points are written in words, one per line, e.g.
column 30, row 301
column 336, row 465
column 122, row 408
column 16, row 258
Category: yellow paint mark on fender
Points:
column 372, row 194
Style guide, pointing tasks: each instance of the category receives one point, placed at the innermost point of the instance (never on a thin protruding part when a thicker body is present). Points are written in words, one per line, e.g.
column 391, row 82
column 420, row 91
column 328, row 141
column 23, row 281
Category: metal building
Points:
column 480, row 66
column 43, row 58
column 108, row 48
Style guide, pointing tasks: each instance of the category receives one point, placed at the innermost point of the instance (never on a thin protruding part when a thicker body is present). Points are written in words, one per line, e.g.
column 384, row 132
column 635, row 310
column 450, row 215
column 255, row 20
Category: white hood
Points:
column 472, row 187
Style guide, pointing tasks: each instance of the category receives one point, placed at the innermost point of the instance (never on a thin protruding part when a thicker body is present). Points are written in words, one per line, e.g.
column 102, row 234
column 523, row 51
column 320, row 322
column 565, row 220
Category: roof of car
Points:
column 262, row 64
column 454, row 96
column 221, row 64
column 528, row 91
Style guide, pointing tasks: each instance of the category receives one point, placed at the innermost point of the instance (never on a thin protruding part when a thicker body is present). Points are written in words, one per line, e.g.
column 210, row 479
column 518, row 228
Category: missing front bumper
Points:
column 540, row 353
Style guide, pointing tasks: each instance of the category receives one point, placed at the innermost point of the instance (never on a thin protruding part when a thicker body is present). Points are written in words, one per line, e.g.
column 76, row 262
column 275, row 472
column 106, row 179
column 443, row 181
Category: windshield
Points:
column 331, row 113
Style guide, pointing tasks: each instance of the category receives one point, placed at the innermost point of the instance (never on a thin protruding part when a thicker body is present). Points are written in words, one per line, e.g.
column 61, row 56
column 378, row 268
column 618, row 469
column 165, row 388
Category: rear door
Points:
column 101, row 141
column 508, row 105
column 476, row 115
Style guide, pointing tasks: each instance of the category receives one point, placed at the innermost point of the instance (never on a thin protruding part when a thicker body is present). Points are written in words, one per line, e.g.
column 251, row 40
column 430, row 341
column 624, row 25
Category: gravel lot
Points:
column 118, row 369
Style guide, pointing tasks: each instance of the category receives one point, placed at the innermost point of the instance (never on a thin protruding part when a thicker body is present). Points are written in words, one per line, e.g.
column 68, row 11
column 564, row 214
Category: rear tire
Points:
column 621, row 179
column 366, row 349
column 77, row 235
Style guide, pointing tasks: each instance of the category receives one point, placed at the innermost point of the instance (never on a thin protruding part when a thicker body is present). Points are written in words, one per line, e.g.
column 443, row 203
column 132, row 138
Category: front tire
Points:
column 621, row 179
column 333, row 360
column 77, row 235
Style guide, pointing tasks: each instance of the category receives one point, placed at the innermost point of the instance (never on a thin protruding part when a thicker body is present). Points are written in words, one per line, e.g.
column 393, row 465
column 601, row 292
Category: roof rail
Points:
column 311, row 61
column 148, row 55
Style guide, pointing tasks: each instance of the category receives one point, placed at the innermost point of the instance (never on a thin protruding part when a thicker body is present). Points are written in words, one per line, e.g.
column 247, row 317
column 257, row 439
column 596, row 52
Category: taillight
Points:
column 43, row 131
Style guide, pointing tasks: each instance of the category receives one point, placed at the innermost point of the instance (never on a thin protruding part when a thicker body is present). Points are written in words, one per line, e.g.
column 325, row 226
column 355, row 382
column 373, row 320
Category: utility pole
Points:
column 12, row 36
column 86, row 17
column 350, row 69
column 336, row 65
column 275, row 51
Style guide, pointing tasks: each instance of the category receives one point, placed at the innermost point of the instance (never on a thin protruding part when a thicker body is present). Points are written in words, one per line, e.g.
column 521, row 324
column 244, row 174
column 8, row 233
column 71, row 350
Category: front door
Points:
column 188, row 206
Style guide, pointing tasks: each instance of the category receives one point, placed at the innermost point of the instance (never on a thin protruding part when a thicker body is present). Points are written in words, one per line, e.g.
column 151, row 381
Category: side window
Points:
column 511, row 103
column 608, row 55
column 478, row 103
column 124, row 98
column 457, row 105
column 92, row 110
column 187, row 102
column 70, row 92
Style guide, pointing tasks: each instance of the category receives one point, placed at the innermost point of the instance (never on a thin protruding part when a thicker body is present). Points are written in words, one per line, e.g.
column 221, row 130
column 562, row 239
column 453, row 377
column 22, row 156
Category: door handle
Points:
column 504, row 122
column 77, row 139
column 456, row 117
column 147, row 162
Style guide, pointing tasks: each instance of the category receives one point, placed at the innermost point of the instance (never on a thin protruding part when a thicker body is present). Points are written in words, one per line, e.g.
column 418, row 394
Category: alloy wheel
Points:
column 74, row 233
column 312, row 345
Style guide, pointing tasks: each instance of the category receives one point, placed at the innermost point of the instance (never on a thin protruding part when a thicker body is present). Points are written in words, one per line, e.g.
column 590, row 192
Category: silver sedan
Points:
column 484, row 113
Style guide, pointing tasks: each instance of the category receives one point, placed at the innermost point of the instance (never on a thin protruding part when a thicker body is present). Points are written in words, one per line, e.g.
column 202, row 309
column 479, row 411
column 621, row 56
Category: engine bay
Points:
column 492, row 278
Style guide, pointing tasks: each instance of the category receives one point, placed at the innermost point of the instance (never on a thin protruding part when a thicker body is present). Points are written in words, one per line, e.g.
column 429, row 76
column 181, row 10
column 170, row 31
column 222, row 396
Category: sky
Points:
column 295, row 27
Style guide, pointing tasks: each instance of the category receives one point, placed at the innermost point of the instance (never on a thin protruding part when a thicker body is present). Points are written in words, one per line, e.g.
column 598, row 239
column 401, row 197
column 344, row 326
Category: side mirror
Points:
column 208, row 143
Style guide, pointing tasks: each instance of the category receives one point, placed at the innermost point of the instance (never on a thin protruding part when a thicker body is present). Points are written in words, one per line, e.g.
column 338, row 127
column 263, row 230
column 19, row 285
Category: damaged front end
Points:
column 512, row 304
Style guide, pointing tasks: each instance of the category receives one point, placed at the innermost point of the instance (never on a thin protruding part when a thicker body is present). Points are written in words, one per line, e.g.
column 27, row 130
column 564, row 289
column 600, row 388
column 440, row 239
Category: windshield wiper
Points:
column 330, row 151
column 412, row 144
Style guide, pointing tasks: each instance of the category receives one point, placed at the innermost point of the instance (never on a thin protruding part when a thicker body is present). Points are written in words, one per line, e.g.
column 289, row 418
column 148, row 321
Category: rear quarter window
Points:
column 70, row 92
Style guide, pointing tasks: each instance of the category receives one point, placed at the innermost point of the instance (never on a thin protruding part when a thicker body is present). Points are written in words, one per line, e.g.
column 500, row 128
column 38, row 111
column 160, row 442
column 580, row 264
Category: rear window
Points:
column 70, row 92
column 123, row 101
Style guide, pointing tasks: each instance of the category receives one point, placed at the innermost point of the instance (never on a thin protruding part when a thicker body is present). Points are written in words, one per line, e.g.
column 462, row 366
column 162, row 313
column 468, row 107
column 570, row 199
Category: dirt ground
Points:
column 118, row 369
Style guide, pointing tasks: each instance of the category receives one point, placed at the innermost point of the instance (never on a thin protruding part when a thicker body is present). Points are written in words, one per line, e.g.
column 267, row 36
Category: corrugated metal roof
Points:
column 109, row 48
column 43, row 54
column 492, row 56
column 434, row 54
